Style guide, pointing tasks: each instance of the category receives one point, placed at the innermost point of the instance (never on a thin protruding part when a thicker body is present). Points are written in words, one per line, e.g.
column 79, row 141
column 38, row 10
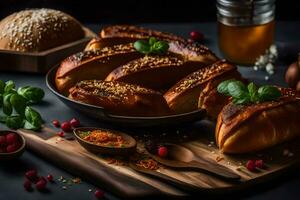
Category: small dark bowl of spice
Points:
column 105, row 141
column 12, row 145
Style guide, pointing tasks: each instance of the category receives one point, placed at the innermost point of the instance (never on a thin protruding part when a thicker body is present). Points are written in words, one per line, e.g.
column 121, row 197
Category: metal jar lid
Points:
column 245, row 12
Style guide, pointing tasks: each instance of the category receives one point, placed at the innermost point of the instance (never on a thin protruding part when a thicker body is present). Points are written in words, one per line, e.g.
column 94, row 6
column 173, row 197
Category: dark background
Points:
column 137, row 11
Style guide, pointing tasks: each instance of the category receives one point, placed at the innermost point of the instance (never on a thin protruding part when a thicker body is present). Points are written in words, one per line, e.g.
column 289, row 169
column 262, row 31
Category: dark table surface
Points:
column 12, row 174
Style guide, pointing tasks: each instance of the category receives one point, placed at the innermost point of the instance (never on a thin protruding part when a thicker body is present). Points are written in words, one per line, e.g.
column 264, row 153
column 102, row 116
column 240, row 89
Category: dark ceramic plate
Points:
column 102, row 114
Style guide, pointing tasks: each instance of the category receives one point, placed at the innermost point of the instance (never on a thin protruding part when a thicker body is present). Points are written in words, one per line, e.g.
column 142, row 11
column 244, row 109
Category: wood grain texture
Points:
column 126, row 182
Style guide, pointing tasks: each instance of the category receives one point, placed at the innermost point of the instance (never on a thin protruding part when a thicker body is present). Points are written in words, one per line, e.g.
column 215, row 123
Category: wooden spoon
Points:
column 168, row 179
column 128, row 148
column 182, row 157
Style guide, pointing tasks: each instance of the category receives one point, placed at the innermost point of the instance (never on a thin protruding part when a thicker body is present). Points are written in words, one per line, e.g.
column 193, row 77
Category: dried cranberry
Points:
column 251, row 165
column 11, row 148
column 66, row 126
column 27, row 185
column 196, row 35
column 56, row 123
column 11, row 138
column 162, row 151
column 99, row 194
column 2, row 140
column 74, row 122
column 61, row 134
column 31, row 174
column 41, row 184
column 259, row 164
column 50, row 178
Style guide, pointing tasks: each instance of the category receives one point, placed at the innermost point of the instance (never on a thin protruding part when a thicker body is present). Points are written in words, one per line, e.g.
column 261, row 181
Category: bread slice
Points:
column 92, row 65
column 157, row 72
column 123, row 34
column 120, row 98
column 184, row 95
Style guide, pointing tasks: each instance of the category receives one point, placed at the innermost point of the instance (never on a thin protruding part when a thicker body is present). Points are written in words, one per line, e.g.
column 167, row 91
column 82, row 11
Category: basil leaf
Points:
column 223, row 87
column 1, row 100
column 2, row 86
column 30, row 126
column 7, row 107
column 237, row 89
column 242, row 101
column 10, row 85
column 268, row 93
column 32, row 94
column 159, row 47
column 18, row 103
column 252, row 89
column 152, row 41
column 33, row 117
column 142, row 46
column 14, row 121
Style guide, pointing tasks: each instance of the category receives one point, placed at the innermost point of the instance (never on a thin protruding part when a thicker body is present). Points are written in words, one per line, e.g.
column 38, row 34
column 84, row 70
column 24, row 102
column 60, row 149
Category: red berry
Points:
column 11, row 148
column 61, row 134
column 31, row 174
column 74, row 122
column 50, row 178
column 2, row 140
column 66, row 126
column 259, row 164
column 251, row 165
column 41, row 184
column 27, row 185
column 42, row 179
column 56, row 123
column 196, row 35
column 162, row 151
column 99, row 194
column 11, row 138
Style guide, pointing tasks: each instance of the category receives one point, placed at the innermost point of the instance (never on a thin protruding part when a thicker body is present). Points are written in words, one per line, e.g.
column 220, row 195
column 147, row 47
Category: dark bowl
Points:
column 104, row 115
column 15, row 154
column 94, row 148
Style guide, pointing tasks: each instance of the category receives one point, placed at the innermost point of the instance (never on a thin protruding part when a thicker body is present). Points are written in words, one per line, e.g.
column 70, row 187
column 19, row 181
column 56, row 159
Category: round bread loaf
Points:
column 37, row 30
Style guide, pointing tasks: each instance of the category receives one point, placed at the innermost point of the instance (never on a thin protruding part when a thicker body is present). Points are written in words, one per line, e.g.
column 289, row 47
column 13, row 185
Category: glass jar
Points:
column 245, row 29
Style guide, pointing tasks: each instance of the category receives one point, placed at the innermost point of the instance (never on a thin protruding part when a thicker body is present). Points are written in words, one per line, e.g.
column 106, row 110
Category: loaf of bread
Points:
column 120, row 98
column 157, row 72
column 123, row 34
column 184, row 95
column 249, row 128
column 37, row 30
column 92, row 65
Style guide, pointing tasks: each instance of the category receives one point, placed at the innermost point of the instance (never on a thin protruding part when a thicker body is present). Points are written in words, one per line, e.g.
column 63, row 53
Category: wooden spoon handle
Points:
column 215, row 169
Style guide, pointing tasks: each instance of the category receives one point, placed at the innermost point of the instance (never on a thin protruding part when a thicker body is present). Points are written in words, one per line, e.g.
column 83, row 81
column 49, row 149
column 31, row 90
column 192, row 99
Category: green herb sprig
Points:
column 15, row 104
column 242, row 94
column 152, row 46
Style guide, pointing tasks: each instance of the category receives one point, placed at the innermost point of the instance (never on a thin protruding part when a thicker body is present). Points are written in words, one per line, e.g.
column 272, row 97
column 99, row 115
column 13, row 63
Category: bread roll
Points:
column 184, row 95
column 243, row 129
column 92, row 65
column 123, row 34
column 120, row 98
column 37, row 30
column 158, row 72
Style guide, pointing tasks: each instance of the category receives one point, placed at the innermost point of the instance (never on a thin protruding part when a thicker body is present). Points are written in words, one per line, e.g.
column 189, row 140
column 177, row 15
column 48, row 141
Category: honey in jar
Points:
column 245, row 29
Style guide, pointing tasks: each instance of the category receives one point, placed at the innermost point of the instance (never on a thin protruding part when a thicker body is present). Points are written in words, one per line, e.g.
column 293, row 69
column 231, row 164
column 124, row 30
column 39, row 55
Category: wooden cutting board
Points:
column 125, row 182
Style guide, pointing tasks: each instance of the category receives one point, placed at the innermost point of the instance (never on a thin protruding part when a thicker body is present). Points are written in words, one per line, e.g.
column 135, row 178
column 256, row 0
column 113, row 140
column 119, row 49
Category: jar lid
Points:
column 245, row 12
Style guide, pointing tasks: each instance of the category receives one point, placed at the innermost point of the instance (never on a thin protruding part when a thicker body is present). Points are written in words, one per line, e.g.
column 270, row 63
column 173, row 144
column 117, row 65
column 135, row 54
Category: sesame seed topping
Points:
column 148, row 62
column 203, row 75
